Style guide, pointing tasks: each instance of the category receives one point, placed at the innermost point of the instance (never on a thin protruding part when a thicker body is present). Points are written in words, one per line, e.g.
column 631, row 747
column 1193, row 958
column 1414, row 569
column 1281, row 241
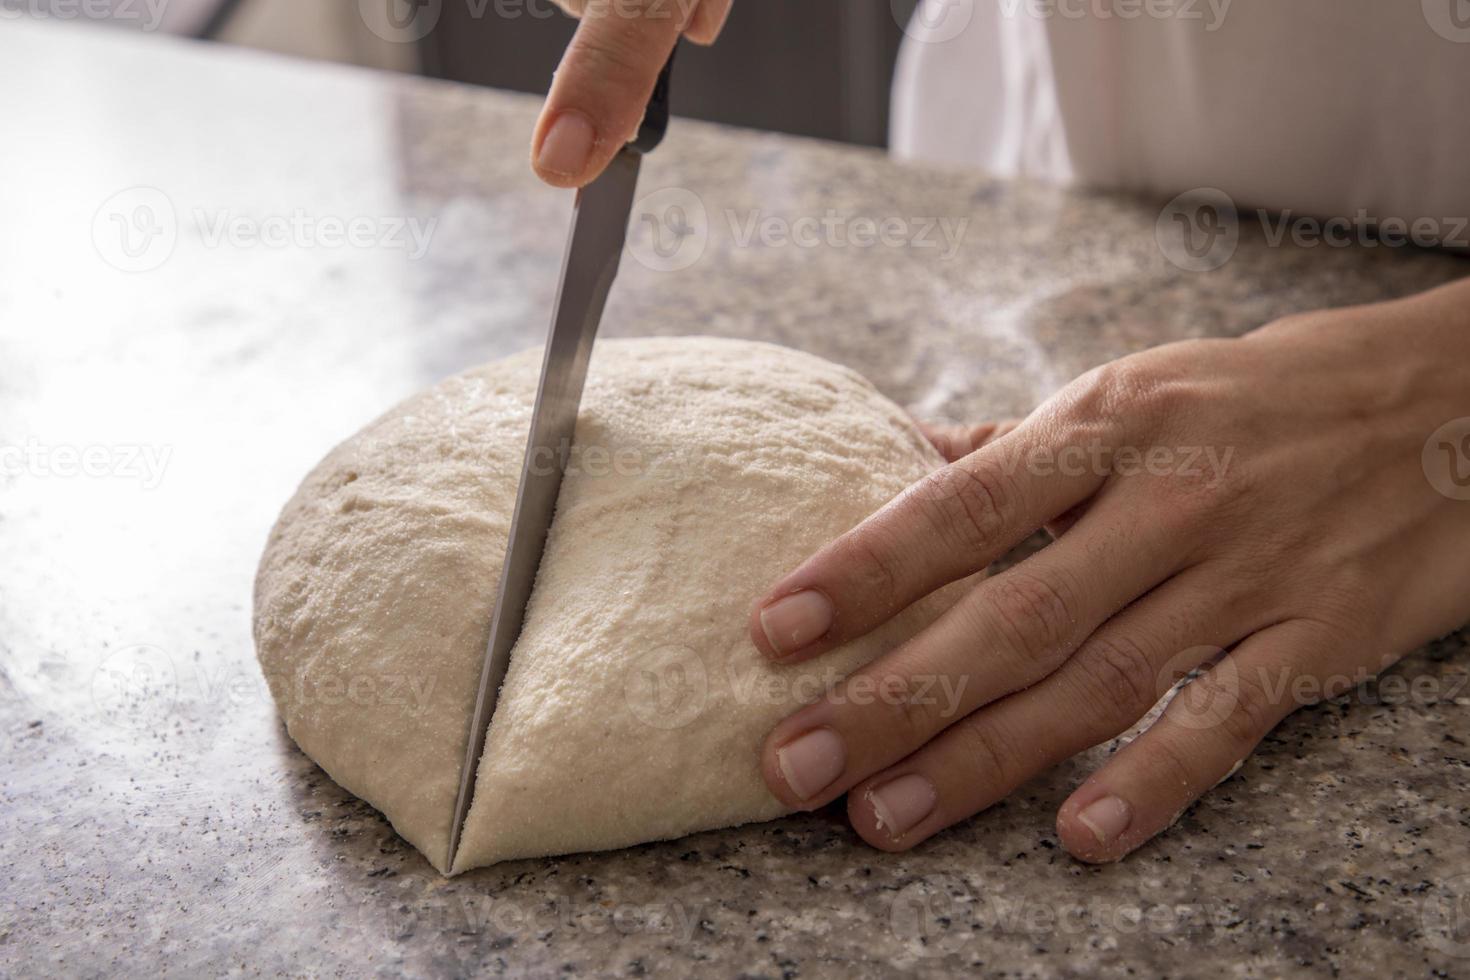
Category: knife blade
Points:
column 599, row 229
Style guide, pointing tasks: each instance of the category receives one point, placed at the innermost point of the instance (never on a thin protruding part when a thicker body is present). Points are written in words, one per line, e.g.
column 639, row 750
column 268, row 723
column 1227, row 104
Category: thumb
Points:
column 601, row 87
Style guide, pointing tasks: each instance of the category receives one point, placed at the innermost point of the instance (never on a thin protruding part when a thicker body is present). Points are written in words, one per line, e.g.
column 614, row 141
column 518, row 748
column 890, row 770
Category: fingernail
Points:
column 811, row 762
column 901, row 803
column 794, row 621
column 567, row 146
column 1107, row 818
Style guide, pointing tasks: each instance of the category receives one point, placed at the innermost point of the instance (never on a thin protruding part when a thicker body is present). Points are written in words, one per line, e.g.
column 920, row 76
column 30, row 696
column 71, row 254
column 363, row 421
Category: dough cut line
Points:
column 599, row 229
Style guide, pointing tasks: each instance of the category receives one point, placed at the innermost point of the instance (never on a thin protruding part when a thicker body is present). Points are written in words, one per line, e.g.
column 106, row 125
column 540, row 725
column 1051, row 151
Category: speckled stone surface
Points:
column 154, row 818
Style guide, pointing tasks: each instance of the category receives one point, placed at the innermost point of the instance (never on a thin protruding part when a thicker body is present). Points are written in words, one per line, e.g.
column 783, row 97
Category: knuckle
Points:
column 1344, row 602
column 915, row 716
column 610, row 57
column 1191, row 490
column 1131, row 388
column 987, row 752
column 614, row 48
column 967, row 503
column 1171, row 766
column 1175, row 518
column 896, row 702
column 1119, row 670
column 1115, row 387
column 1236, row 585
column 1249, row 715
column 1227, row 700
column 874, row 569
column 1034, row 614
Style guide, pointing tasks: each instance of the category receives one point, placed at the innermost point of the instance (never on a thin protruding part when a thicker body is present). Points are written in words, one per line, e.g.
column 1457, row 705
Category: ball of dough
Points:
column 635, row 705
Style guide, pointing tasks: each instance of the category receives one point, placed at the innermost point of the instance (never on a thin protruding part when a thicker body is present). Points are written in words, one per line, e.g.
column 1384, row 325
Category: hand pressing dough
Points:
column 635, row 705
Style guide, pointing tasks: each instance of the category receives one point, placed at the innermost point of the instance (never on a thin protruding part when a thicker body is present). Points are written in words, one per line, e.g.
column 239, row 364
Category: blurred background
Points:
column 825, row 66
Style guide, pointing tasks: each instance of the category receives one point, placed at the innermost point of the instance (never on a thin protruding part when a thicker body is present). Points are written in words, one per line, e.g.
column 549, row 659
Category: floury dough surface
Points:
column 635, row 705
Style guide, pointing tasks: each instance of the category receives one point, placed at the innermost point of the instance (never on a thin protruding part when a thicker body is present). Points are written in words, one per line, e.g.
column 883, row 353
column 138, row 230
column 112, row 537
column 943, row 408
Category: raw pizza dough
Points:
column 635, row 705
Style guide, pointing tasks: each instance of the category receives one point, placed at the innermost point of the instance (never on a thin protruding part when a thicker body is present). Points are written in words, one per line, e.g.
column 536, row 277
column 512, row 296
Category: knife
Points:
column 599, row 228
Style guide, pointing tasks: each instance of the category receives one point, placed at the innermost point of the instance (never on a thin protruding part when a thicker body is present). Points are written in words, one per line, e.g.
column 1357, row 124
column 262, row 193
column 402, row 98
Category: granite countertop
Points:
column 168, row 395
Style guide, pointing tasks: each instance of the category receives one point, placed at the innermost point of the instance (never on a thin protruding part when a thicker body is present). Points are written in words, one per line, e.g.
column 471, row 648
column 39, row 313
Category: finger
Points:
column 955, row 442
column 704, row 19
column 1063, row 523
column 600, row 90
column 1112, row 681
column 958, row 441
column 1007, row 634
column 950, row 524
column 1207, row 730
column 708, row 20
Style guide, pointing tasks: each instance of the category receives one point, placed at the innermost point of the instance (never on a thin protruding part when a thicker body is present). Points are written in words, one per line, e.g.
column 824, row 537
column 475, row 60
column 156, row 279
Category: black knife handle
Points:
column 656, row 116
